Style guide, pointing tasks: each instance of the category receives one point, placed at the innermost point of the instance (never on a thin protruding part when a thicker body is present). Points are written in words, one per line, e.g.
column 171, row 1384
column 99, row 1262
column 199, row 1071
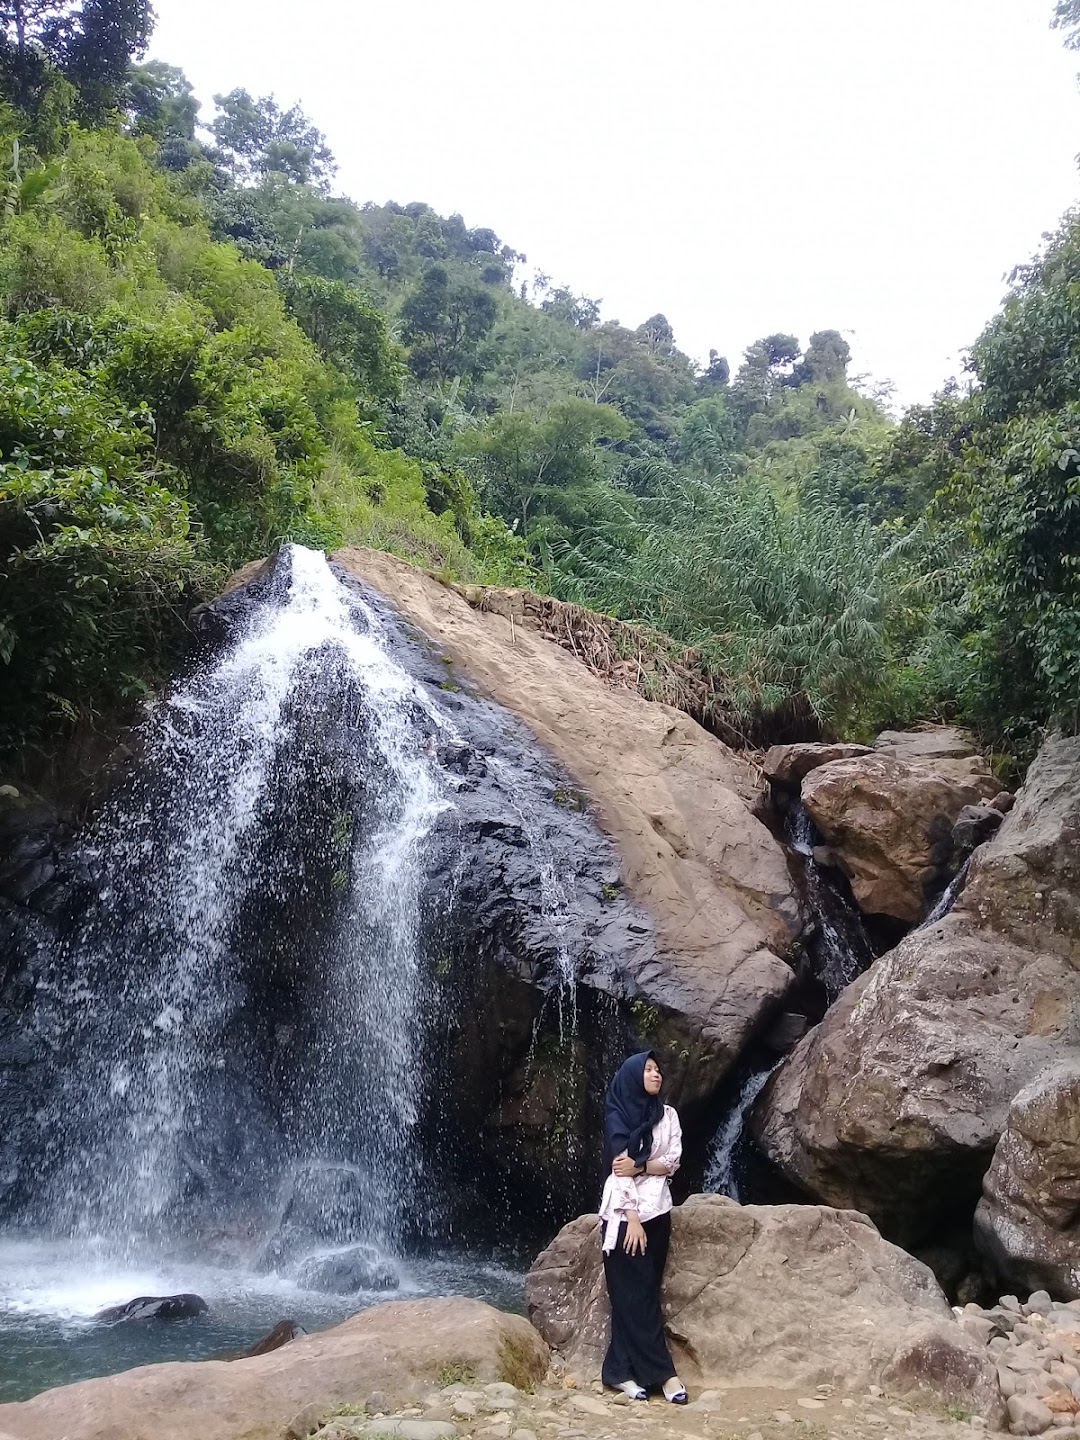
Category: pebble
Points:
column 783, row 1418
column 1028, row 1415
column 463, row 1407
column 589, row 1405
column 498, row 1430
column 808, row 1404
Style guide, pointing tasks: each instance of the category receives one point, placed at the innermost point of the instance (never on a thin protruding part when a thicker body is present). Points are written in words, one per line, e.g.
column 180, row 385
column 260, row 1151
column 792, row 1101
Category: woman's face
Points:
column 653, row 1078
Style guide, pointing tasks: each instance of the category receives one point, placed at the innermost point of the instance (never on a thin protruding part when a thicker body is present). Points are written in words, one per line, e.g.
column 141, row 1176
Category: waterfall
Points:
column 722, row 1168
column 304, row 728
column 839, row 951
column 947, row 898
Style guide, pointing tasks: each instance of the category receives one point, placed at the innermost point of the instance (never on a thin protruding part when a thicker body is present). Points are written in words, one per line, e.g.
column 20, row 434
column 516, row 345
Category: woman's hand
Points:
column 636, row 1239
column 623, row 1167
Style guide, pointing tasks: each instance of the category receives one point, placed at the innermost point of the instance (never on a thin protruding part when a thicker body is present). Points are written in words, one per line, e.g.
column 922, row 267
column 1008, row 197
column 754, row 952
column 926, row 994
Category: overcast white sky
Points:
column 745, row 166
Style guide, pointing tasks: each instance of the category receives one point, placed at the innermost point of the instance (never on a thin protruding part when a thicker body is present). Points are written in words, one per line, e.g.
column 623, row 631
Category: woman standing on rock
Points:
column 644, row 1146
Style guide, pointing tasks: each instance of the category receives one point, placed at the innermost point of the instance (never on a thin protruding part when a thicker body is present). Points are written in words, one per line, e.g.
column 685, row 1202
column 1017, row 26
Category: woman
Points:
column 644, row 1145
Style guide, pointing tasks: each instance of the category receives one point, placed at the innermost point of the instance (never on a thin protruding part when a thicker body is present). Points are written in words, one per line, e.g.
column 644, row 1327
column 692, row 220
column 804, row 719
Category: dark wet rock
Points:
column 344, row 1272
column 973, row 825
column 154, row 1307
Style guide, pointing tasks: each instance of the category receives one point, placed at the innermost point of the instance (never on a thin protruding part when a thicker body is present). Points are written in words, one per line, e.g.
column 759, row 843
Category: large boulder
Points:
column 894, row 1103
column 788, row 765
column 1028, row 1221
column 399, row 1349
column 674, row 799
column 889, row 824
column 789, row 1296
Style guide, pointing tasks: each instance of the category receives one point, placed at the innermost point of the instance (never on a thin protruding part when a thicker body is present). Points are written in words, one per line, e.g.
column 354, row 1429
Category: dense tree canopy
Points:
column 205, row 351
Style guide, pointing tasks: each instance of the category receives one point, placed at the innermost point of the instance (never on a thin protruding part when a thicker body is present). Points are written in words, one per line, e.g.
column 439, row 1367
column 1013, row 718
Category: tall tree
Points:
column 258, row 138
column 444, row 320
column 90, row 44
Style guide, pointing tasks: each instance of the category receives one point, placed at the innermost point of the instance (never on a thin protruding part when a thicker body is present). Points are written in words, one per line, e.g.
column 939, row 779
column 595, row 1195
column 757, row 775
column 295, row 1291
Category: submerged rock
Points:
column 894, row 1103
column 154, row 1307
column 1028, row 1221
column 399, row 1349
column 785, row 1296
column 343, row 1272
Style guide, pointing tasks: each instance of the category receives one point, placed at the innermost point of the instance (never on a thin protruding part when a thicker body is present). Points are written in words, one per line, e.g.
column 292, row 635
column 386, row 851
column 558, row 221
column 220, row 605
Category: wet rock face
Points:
column 783, row 1295
column 547, row 960
column 894, row 1104
column 1028, row 1221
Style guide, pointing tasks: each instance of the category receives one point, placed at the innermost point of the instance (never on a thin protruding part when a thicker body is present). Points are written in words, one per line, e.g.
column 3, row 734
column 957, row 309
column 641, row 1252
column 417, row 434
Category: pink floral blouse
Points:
column 649, row 1195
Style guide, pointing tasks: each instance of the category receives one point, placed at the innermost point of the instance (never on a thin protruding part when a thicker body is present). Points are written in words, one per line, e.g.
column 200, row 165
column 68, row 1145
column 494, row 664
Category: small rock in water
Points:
column 343, row 1272
column 154, row 1307
column 281, row 1334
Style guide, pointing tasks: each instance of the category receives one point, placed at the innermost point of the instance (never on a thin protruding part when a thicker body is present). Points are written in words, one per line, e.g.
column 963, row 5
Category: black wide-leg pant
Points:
column 638, row 1350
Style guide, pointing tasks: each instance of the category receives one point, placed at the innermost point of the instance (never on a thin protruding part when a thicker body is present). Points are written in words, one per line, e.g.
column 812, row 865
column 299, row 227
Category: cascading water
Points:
column 948, row 897
column 839, row 951
column 190, row 867
column 723, row 1166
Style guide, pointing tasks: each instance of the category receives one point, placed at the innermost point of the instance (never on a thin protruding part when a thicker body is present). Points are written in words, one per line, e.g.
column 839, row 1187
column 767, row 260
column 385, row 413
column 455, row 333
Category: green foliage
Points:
column 794, row 602
column 87, row 45
column 163, row 415
column 548, row 466
column 256, row 137
column 347, row 330
column 444, row 319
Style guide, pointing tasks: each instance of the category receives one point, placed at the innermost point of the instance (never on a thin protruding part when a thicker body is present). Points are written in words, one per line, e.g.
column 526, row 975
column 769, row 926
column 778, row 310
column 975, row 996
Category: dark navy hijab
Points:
column 630, row 1112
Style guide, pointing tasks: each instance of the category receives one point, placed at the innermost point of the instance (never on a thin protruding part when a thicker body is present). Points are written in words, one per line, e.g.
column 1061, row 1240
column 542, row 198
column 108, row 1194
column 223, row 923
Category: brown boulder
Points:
column 889, row 823
column 788, row 765
column 674, row 799
column 1028, row 1221
column 927, row 746
column 894, row 1103
column 774, row 1295
column 398, row 1349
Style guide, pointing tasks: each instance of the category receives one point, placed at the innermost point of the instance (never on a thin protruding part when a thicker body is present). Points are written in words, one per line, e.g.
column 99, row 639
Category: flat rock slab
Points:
column 399, row 1349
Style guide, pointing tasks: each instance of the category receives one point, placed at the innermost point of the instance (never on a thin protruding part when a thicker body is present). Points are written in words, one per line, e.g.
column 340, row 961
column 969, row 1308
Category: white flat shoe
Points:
column 675, row 1391
column 633, row 1390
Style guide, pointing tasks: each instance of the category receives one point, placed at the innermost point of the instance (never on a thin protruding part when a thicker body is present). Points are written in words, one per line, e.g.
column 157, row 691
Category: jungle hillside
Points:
column 206, row 352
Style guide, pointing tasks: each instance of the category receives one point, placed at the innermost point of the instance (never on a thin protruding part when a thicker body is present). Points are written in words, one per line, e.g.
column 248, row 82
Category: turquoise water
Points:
column 49, row 1292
